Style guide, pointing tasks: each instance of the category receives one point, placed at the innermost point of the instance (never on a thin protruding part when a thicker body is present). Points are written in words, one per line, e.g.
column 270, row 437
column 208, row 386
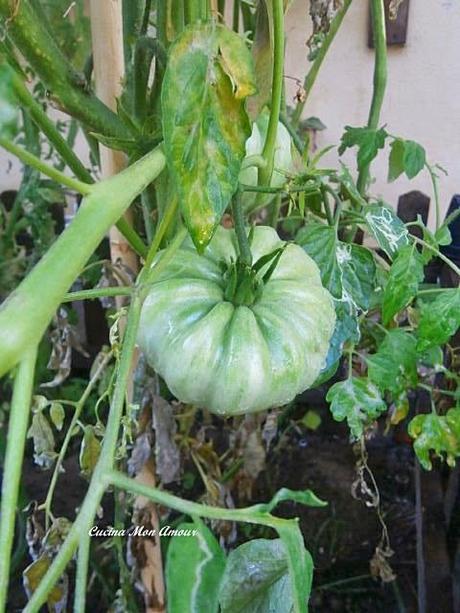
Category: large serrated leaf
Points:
column 194, row 569
column 205, row 126
column 437, row 433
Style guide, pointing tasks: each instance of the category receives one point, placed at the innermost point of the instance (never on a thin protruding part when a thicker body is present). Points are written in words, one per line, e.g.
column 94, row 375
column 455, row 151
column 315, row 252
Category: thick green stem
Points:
column 277, row 91
column 84, row 547
column 322, row 52
column 380, row 79
column 240, row 230
column 67, row 88
column 17, row 432
column 49, row 171
column 46, row 285
column 192, row 11
column 105, row 463
column 434, row 183
column 48, row 128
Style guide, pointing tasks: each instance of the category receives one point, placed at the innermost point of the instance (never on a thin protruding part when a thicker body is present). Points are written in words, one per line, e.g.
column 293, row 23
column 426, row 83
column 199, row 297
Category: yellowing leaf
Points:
column 205, row 125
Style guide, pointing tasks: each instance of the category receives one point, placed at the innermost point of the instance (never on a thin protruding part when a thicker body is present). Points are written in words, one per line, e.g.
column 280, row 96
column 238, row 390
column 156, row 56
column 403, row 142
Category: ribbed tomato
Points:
column 231, row 357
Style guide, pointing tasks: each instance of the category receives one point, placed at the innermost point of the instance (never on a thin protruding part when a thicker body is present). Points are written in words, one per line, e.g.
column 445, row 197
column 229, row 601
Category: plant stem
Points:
column 105, row 463
column 48, row 128
column 46, row 285
column 17, row 432
column 314, row 70
column 33, row 37
column 79, row 603
column 49, row 171
column 236, row 16
column 440, row 255
column 192, row 11
column 46, row 506
column 98, row 292
column 240, row 230
column 434, row 182
column 163, row 226
column 277, row 91
column 380, row 79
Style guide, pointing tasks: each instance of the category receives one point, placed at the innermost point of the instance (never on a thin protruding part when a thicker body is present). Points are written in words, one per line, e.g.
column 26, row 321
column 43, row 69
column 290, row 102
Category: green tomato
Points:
column 282, row 163
column 235, row 359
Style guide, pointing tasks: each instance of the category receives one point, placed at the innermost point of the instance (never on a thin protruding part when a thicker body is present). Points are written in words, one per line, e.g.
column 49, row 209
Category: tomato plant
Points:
column 314, row 282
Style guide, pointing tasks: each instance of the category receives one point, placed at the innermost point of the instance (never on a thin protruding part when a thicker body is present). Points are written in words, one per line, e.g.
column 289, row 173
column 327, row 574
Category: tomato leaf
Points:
column 405, row 274
column 257, row 578
column 41, row 433
column 440, row 433
column 391, row 373
column 57, row 415
column 89, row 451
column 439, row 320
column 396, row 160
column 205, row 126
column 387, row 229
column 367, row 140
column 358, row 401
column 347, row 271
column 414, row 158
column 305, row 497
column 194, row 569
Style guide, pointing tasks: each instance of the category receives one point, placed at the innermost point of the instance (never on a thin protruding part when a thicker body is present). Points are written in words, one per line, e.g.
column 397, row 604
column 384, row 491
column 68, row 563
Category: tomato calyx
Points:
column 245, row 283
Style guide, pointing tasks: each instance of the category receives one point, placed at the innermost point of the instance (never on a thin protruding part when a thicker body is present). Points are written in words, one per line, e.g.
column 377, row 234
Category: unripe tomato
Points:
column 235, row 358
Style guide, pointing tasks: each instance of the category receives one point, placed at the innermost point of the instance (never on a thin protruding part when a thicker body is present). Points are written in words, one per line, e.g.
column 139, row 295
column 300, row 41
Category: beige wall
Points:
column 423, row 93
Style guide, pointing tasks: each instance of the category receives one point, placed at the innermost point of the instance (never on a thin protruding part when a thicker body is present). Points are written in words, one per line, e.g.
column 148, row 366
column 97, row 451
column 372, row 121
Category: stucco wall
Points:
column 423, row 94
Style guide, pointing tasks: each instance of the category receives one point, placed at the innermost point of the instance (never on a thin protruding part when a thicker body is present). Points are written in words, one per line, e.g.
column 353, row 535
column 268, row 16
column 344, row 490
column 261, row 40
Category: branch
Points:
column 17, row 432
column 26, row 30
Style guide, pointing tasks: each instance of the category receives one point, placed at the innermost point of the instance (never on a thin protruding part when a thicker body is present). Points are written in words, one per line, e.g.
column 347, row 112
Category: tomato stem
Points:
column 240, row 230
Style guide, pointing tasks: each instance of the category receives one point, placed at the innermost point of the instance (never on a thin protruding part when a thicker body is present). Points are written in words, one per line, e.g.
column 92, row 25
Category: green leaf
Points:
column 414, row 158
column 57, row 415
column 257, row 579
column 367, row 140
column 347, row 271
column 346, row 329
column 396, row 160
column 205, row 125
column 394, row 366
column 439, row 433
column 320, row 242
column 41, row 433
column 9, row 109
column 89, row 451
column 405, row 274
column 194, row 569
column 387, row 229
column 358, row 401
column 405, row 156
column 439, row 319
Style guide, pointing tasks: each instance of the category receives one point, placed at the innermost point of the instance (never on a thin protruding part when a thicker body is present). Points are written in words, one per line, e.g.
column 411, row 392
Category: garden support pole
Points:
column 17, row 432
column 109, row 72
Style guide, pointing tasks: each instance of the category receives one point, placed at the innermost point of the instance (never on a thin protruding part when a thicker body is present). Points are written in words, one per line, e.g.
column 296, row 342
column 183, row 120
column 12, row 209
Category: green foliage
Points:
column 437, row 433
column 387, row 229
column 256, row 579
column 89, row 451
column 194, row 569
column 358, row 401
column 439, row 319
column 367, row 140
column 405, row 156
column 405, row 275
column 205, row 126
column 394, row 366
